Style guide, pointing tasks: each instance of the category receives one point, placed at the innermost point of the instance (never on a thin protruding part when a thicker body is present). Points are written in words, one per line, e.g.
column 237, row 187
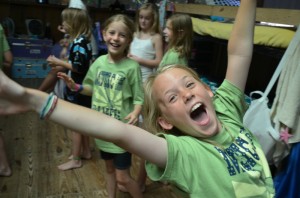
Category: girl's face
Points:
column 168, row 31
column 145, row 19
column 185, row 103
column 117, row 39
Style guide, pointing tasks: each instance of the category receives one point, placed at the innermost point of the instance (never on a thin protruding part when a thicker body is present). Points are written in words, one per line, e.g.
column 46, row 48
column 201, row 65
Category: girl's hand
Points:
column 61, row 29
column 68, row 80
column 53, row 61
column 133, row 57
column 132, row 118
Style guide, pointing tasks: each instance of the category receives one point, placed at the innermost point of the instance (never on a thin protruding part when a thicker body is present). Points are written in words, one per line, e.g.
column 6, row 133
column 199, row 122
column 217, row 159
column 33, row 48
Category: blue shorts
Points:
column 121, row 161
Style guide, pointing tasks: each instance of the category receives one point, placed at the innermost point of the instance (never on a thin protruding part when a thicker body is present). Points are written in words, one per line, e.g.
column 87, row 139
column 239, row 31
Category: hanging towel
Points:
column 286, row 105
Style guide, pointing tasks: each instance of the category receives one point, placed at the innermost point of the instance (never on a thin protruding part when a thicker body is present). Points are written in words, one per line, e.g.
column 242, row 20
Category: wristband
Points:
column 77, row 88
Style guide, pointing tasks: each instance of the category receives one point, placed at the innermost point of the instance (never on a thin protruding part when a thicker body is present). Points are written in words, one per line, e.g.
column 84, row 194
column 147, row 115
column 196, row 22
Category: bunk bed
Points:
column 210, row 41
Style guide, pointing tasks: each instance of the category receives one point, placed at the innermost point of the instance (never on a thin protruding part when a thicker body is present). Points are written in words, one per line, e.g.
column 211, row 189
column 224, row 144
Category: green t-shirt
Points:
column 233, row 165
column 172, row 57
column 3, row 46
column 117, row 87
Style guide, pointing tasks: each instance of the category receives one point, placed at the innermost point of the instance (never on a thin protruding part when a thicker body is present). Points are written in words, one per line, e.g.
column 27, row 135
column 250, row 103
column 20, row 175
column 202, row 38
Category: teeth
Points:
column 196, row 106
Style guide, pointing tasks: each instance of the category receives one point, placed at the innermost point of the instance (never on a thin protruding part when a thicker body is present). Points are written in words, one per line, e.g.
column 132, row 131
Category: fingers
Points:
column 50, row 57
column 131, row 119
column 68, row 80
column 63, row 75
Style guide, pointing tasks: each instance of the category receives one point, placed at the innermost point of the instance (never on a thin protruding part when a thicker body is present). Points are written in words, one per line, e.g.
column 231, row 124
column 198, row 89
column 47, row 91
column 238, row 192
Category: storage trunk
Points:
column 30, row 48
column 30, row 68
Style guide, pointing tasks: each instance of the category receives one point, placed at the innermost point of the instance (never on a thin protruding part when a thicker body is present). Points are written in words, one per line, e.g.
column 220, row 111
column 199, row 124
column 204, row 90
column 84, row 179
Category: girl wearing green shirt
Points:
column 178, row 33
column 202, row 147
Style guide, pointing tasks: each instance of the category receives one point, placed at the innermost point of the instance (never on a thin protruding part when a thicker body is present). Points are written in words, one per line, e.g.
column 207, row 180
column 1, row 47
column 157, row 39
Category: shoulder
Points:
column 100, row 59
column 229, row 100
column 227, row 88
column 131, row 63
column 81, row 40
column 172, row 52
column 156, row 37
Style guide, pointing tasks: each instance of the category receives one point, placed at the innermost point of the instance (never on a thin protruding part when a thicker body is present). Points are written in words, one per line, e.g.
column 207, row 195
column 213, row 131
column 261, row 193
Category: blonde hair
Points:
column 78, row 22
column 155, row 28
column 151, row 110
column 127, row 22
column 182, row 38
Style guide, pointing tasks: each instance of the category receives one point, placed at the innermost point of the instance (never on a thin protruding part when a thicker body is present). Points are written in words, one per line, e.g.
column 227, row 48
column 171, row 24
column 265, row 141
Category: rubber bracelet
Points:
column 46, row 105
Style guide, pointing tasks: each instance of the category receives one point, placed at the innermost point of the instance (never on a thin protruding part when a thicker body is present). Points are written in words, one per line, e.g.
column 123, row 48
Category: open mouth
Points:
column 114, row 45
column 199, row 113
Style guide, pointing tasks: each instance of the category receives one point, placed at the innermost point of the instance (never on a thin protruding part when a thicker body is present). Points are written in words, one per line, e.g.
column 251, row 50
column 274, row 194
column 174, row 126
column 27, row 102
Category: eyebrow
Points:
column 181, row 80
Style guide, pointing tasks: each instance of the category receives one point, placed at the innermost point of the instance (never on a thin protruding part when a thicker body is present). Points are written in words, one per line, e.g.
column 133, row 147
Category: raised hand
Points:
column 68, row 80
column 53, row 61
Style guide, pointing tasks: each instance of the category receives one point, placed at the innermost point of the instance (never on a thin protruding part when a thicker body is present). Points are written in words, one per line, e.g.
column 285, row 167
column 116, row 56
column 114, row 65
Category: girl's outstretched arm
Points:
column 15, row 99
column 240, row 44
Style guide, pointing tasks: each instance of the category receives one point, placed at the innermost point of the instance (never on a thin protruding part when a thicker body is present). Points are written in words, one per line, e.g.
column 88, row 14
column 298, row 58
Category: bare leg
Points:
column 110, row 177
column 5, row 169
column 49, row 81
column 142, row 175
column 86, row 151
column 124, row 179
column 75, row 162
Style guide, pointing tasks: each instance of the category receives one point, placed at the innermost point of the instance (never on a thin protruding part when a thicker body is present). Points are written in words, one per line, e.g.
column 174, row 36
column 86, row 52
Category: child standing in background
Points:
column 6, row 56
column 6, row 60
column 51, row 79
column 178, row 33
column 114, row 81
column 77, row 24
column 147, row 49
column 206, row 150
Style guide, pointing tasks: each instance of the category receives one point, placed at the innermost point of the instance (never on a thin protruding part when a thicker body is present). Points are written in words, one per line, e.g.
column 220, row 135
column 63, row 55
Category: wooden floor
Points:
column 36, row 147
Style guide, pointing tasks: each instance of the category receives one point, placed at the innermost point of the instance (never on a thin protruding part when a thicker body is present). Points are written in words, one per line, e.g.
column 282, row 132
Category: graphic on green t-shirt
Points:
column 110, row 93
column 240, row 156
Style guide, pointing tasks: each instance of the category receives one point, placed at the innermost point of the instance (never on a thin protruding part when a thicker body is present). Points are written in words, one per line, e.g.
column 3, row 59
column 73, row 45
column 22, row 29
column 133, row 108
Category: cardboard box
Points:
column 30, row 48
column 30, row 68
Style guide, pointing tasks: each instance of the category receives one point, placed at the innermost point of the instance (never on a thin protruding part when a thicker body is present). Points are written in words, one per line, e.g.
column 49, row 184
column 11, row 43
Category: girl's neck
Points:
column 144, row 34
column 112, row 58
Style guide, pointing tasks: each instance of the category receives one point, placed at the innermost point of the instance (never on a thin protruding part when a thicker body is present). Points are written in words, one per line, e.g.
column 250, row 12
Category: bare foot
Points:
column 70, row 165
column 122, row 188
column 86, row 155
column 5, row 172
